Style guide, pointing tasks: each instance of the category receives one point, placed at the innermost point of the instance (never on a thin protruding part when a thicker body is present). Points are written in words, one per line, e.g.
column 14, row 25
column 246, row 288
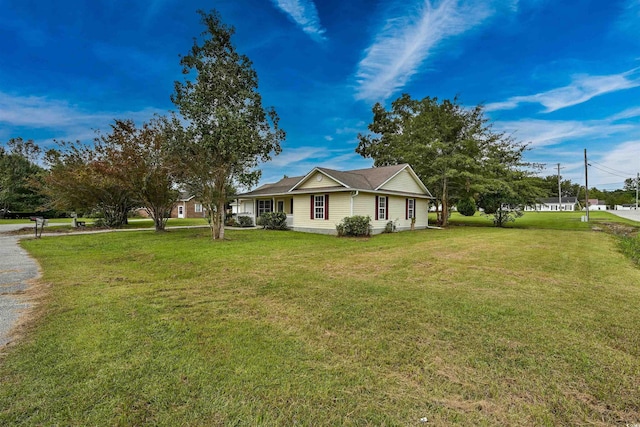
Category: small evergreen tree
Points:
column 466, row 206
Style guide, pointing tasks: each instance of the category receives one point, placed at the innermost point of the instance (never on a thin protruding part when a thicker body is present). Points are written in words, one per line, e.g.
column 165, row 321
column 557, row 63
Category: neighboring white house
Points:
column 318, row 201
column 597, row 205
column 552, row 204
column 625, row 207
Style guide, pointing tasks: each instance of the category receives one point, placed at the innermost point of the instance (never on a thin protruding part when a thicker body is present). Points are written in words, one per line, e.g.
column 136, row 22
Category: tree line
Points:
column 621, row 196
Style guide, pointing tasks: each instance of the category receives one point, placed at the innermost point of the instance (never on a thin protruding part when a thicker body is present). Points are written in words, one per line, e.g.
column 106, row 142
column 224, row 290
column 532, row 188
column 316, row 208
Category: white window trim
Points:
column 318, row 206
column 382, row 207
column 412, row 208
column 198, row 207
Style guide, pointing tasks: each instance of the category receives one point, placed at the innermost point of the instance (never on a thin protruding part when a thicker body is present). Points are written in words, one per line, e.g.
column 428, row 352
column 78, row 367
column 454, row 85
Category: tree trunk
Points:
column 445, row 203
column 221, row 215
column 158, row 219
column 219, row 202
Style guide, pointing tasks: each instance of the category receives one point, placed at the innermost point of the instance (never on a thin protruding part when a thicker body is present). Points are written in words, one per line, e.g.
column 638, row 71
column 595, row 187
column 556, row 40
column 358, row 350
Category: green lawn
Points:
column 133, row 223
column 547, row 220
column 465, row 326
column 28, row 221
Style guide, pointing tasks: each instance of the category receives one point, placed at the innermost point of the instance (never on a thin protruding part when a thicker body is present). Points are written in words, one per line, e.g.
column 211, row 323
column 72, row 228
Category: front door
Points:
column 180, row 211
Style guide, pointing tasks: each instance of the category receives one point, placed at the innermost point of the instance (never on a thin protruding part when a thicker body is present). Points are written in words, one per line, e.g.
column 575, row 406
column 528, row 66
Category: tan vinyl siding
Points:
column 312, row 182
column 403, row 182
column 287, row 204
column 422, row 213
column 339, row 206
column 365, row 204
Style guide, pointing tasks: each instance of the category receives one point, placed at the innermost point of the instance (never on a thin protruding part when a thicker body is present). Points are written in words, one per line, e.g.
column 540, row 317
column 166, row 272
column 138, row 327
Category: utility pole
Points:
column 586, row 184
column 559, row 190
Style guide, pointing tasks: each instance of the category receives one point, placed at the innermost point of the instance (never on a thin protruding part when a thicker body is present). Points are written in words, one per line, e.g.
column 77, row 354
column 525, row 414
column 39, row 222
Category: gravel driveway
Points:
column 17, row 268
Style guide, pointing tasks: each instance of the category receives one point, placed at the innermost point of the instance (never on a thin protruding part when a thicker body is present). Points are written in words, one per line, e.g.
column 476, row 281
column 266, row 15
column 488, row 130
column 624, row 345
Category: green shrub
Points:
column 230, row 221
column 389, row 227
column 630, row 246
column 274, row 220
column 245, row 221
column 354, row 226
column 467, row 206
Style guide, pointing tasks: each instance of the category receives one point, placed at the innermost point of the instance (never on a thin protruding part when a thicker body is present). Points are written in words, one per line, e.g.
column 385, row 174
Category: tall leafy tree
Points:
column 141, row 160
column 227, row 131
column 19, row 177
column 550, row 185
column 630, row 184
column 453, row 149
column 81, row 179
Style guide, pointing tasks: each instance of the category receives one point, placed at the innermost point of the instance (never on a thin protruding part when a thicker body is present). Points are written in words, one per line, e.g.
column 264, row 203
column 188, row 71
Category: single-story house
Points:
column 187, row 207
column 597, row 205
column 321, row 199
column 625, row 207
column 552, row 204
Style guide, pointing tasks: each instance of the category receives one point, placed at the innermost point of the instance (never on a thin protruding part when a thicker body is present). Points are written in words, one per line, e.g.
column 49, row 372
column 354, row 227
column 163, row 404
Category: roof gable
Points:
column 318, row 178
column 404, row 180
column 396, row 178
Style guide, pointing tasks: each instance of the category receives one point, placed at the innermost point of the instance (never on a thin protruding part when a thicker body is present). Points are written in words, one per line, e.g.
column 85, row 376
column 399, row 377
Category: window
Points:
column 382, row 207
column 318, row 207
column 280, row 205
column 411, row 208
column 264, row 206
column 198, row 207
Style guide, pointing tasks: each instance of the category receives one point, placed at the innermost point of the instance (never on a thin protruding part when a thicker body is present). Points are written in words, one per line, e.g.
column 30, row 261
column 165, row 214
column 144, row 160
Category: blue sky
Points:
column 563, row 75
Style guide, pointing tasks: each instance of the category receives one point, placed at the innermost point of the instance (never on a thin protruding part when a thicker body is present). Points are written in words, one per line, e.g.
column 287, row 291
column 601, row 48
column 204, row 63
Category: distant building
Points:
column 552, row 204
column 597, row 205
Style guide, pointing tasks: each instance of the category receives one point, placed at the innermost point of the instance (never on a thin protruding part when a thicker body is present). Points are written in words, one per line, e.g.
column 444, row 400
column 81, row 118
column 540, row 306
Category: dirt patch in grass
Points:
column 619, row 229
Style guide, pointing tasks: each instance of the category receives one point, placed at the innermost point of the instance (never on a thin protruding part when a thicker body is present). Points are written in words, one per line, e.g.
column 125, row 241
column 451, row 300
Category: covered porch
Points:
column 254, row 207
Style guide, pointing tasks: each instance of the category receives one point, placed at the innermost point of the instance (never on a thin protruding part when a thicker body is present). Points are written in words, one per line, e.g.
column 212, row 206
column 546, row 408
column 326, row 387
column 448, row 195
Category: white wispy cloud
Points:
column 59, row 117
column 623, row 158
column 305, row 15
column 582, row 89
column 542, row 133
column 408, row 39
column 627, row 114
column 629, row 20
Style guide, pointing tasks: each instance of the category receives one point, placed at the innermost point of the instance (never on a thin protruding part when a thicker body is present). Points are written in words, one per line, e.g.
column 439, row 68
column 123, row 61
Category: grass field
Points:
column 64, row 224
column 546, row 220
column 465, row 326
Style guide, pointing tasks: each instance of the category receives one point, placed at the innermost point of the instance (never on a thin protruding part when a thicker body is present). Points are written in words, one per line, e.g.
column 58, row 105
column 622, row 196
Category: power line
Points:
column 615, row 170
column 610, row 173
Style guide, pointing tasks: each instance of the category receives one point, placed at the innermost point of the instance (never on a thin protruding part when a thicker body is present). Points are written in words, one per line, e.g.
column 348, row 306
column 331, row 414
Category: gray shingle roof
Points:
column 555, row 200
column 360, row 179
column 282, row 186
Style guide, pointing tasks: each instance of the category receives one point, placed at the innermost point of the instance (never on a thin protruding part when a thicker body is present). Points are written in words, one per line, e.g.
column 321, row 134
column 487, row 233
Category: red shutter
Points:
column 406, row 209
column 326, row 206
column 377, row 208
column 312, row 208
column 386, row 210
